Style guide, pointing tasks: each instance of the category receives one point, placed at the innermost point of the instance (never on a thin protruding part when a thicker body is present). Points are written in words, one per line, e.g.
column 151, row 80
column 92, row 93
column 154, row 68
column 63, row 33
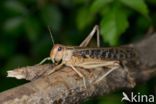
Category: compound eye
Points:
column 60, row 48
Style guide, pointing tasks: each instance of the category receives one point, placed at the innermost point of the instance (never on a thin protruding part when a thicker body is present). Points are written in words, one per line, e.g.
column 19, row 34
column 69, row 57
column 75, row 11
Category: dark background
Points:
column 25, row 39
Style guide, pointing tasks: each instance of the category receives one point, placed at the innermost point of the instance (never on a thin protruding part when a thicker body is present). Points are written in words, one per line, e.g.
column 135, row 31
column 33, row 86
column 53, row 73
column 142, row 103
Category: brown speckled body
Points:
column 79, row 56
column 115, row 53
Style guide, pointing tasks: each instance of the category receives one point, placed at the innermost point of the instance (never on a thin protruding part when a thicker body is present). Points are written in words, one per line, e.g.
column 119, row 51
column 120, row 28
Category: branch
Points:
column 65, row 86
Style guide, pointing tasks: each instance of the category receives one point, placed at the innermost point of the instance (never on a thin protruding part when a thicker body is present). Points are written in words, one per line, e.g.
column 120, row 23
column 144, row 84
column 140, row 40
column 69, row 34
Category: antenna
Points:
column 52, row 39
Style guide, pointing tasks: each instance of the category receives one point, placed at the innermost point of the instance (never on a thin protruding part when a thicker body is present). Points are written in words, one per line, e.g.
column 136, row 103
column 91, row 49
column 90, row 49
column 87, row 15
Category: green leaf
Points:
column 105, row 9
column 113, row 25
column 84, row 18
column 13, row 24
column 98, row 4
column 52, row 17
column 32, row 28
column 138, row 5
column 15, row 7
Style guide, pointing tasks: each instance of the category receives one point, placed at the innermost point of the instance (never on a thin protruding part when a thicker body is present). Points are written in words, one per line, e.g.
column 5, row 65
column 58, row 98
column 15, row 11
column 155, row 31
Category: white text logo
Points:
column 137, row 97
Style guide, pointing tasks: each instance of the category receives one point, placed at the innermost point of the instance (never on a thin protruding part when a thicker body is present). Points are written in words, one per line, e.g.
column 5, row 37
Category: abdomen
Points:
column 117, row 53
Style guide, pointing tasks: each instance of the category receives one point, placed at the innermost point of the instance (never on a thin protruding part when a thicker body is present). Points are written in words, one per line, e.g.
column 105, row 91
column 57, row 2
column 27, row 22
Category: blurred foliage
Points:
column 25, row 39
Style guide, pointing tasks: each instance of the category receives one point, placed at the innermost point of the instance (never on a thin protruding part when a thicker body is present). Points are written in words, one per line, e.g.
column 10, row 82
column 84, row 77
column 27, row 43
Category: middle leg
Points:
column 80, row 74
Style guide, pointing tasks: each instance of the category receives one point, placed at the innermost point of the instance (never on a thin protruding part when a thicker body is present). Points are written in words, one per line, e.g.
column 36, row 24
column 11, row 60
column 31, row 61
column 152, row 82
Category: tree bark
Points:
column 66, row 87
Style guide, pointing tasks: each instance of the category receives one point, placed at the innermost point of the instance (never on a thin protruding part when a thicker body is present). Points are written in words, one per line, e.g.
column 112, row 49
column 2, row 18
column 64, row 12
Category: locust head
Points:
column 57, row 53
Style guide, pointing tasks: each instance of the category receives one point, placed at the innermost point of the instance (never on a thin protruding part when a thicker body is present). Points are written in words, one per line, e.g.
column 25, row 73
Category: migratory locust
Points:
column 87, row 58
